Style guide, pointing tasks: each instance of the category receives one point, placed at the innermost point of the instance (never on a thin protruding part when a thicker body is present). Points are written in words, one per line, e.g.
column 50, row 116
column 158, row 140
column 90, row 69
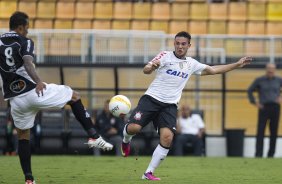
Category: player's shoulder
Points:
column 15, row 37
column 162, row 54
column 165, row 52
column 190, row 59
column 9, row 37
column 23, row 39
column 26, row 39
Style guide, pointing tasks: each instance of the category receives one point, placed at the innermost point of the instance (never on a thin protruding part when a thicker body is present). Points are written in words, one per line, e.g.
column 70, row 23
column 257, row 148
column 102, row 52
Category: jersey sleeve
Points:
column 161, row 57
column 27, row 48
column 198, row 67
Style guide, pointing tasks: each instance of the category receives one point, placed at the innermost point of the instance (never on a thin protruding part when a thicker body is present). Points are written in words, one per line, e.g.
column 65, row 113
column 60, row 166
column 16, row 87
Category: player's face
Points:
column 23, row 30
column 181, row 45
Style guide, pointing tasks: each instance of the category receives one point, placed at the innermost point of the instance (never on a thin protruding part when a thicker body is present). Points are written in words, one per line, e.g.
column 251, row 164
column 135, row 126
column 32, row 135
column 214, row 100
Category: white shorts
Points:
column 25, row 107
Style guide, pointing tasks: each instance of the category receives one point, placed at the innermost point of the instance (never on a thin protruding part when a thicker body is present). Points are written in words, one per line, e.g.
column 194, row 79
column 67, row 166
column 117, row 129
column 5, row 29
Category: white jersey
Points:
column 191, row 125
column 172, row 76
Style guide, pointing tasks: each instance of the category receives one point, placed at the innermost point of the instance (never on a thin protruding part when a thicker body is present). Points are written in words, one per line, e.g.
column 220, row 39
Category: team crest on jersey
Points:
column 18, row 86
column 138, row 115
column 181, row 65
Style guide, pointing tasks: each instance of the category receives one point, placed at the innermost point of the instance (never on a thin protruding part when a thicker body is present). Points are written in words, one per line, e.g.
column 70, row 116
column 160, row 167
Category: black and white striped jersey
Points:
column 15, row 80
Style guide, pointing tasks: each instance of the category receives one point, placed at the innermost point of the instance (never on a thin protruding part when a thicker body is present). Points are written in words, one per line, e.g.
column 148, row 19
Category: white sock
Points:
column 158, row 156
column 126, row 137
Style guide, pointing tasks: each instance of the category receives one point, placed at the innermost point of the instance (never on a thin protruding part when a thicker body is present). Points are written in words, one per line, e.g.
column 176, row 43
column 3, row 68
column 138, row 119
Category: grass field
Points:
column 118, row 170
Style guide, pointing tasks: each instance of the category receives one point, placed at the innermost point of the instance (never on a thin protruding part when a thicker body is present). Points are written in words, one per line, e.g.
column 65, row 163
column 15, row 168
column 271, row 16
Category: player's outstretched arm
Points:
column 151, row 66
column 29, row 67
column 219, row 69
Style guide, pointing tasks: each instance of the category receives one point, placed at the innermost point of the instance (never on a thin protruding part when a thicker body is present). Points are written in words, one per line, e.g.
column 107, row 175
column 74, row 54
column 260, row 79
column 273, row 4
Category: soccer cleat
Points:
column 30, row 182
column 99, row 143
column 125, row 149
column 149, row 176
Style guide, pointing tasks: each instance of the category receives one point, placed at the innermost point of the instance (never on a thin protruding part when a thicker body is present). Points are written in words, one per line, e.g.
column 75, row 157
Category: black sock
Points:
column 84, row 118
column 25, row 158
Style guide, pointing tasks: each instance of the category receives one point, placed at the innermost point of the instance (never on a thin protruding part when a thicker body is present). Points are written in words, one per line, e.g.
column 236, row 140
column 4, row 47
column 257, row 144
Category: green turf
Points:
column 118, row 170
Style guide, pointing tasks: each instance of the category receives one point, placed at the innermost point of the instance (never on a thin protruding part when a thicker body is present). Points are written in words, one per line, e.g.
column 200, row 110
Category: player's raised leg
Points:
column 25, row 154
column 95, row 140
column 160, row 153
column 128, row 132
column 139, row 118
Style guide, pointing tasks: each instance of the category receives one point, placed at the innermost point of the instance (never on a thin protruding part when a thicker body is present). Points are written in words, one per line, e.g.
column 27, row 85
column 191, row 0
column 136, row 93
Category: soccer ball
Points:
column 119, row 105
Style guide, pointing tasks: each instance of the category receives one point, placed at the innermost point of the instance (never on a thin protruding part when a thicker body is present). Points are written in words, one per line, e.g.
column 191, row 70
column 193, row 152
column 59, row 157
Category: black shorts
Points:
column 150, row 109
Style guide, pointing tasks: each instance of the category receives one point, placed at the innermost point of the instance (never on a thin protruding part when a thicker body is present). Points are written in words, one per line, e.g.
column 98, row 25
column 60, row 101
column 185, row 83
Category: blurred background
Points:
column 98, row 47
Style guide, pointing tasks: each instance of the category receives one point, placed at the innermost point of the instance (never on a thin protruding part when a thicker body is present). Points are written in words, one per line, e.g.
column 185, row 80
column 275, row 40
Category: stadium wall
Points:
column 216, row 147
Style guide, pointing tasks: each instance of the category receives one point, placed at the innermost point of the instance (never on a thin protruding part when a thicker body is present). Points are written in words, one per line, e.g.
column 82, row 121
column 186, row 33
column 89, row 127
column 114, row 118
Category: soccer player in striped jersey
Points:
column 28, row 94
column 159, row 103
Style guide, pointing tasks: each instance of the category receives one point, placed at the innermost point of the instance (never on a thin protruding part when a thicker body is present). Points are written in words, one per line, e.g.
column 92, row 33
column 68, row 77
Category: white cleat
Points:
column 99, row 143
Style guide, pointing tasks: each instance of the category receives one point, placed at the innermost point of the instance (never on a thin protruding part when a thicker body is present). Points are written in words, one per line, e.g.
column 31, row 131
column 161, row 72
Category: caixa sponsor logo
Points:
column 17, row 86
column 177, row 73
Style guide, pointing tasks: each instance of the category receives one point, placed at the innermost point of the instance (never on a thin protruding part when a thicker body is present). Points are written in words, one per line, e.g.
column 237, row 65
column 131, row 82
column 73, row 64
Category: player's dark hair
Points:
column 183, row 34
column 18, row 19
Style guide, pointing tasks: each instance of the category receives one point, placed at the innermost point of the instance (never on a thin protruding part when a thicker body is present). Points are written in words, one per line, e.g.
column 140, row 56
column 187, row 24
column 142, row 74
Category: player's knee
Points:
column 133, row 128
column 75, row 96
column 23, row 134
column 166, row 139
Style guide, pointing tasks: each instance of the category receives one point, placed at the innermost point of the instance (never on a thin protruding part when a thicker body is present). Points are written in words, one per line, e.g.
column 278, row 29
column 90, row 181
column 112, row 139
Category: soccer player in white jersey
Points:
column 159, row 104
column 28, row 94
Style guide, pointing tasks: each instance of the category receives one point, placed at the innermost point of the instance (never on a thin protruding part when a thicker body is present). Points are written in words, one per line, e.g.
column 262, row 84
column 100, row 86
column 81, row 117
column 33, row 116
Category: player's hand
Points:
column 40, row 86
column 258, row 105
column 244, row 61
column 155, row 64
column 151, row 66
